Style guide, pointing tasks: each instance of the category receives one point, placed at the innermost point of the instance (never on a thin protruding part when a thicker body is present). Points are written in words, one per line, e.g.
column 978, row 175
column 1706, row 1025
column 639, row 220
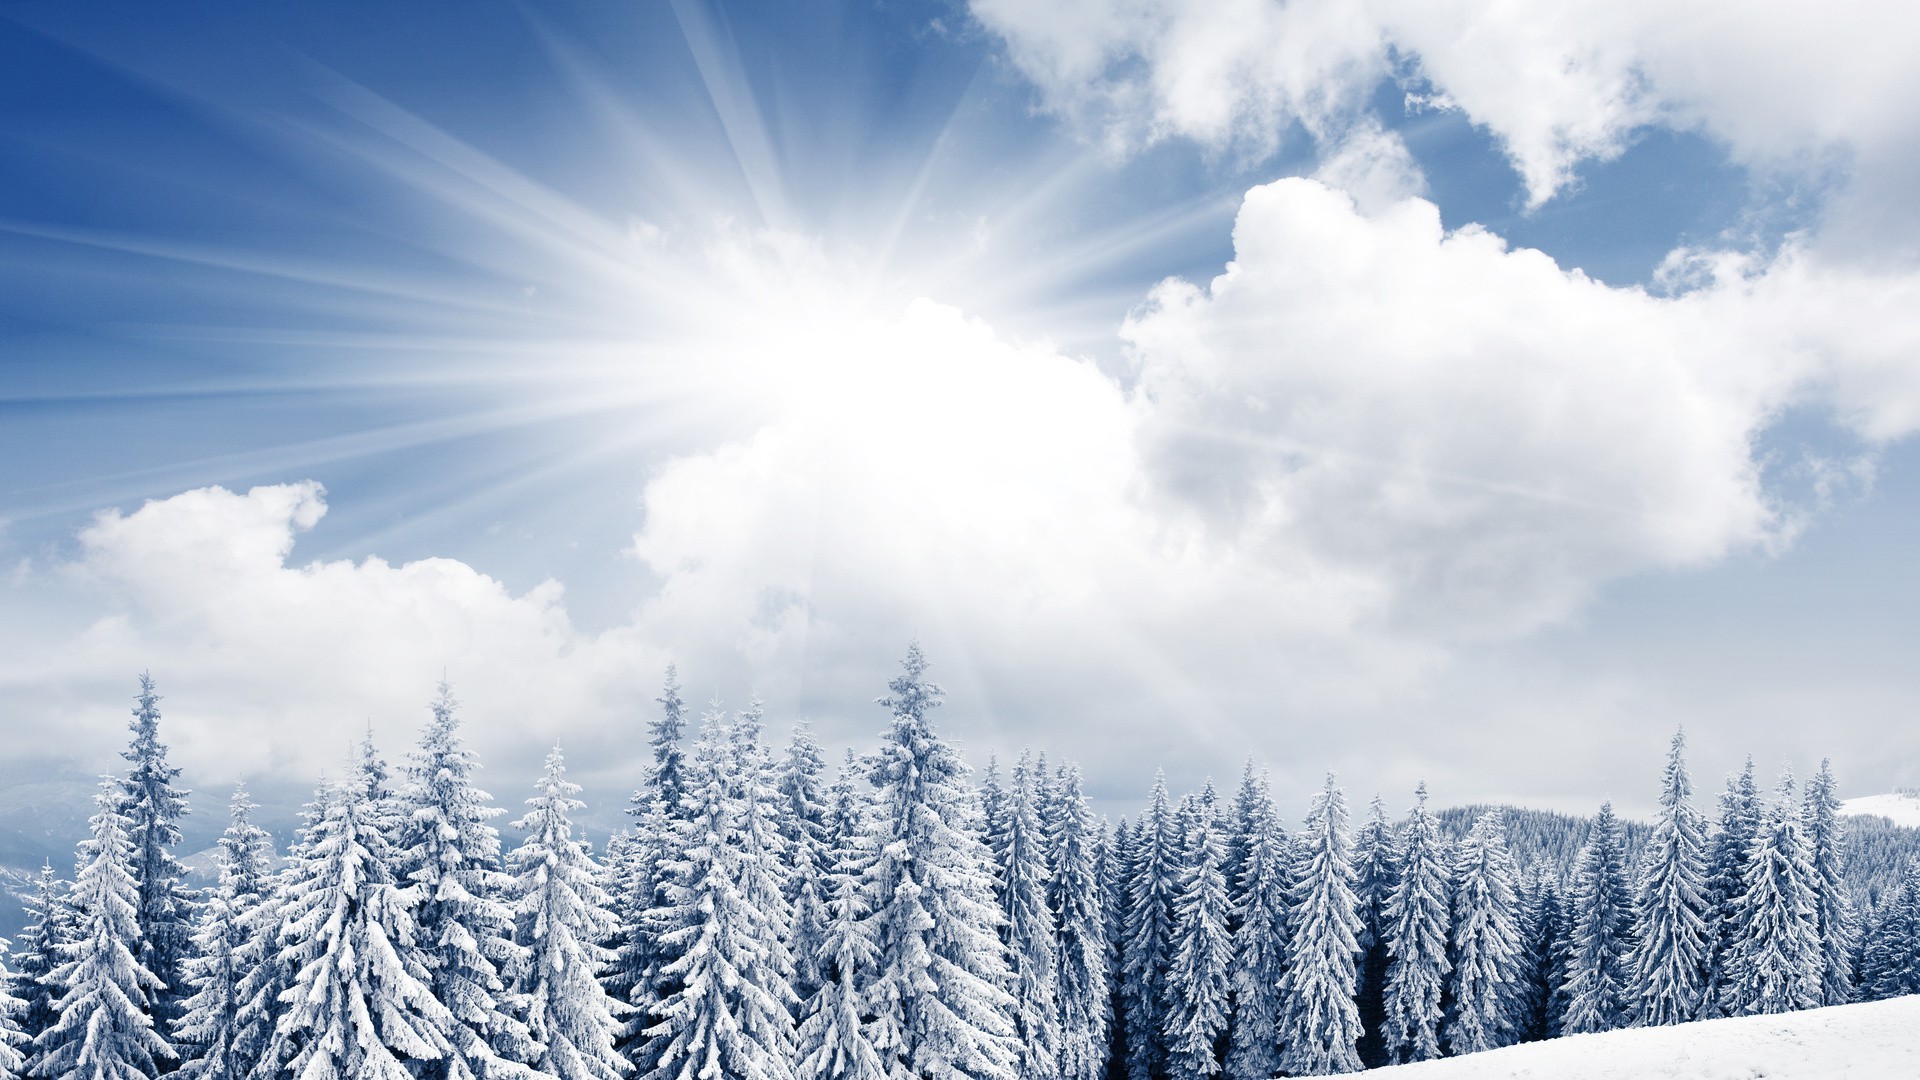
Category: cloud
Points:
column 1366, row 447
column 1780, row 84
column 273, row 667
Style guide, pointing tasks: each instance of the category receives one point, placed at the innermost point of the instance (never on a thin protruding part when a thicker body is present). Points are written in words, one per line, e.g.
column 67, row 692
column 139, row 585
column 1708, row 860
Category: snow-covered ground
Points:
column 1879, row 1040
column 1901, row 808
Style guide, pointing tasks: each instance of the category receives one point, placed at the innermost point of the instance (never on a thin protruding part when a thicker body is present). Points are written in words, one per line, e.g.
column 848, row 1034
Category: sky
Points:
column 1418, row 389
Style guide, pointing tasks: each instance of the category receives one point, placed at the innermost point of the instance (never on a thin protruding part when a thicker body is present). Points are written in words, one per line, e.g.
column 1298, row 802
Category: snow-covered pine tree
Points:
column 1543, row 965
column 1775, row 964
column 210, row 1035
column 153, row 808
column 728, row 1012
column 1076, row 899
column 13, row 1041
column 763, row 851
column 1834, row 919
column 561, row 915
column 993, row 821
column 1199, row 972
column 102, row 1030
column 659, row 807
column 1028, row 929
column 264, row 960
column 1415, row 936
column 1320, row 1027
column 832, row 1043
column 450, row 848
column 1728, row 850
column 803, row 829
column 1596, row 981
column 1486, row 939
column 1668, row 966
column 938, row 998
column 360, row 1002
column 1242, row 823
column 1890, row 961
column 36, row 952
column 1146, row 934
column 1375, row 861
column 1117, row 861
column 1260, row 940
column 375, row 778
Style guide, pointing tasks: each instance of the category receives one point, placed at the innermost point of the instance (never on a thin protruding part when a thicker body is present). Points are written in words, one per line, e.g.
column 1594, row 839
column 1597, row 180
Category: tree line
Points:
column 767, row 918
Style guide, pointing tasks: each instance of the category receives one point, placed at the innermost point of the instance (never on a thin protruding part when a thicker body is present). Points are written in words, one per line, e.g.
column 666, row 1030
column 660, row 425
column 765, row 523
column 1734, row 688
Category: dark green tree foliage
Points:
column 153, row 809
column 1375, row 870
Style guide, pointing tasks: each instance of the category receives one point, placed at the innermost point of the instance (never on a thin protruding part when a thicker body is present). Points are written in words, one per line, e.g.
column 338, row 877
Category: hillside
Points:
column 1878, row 1040
column 1900, row 807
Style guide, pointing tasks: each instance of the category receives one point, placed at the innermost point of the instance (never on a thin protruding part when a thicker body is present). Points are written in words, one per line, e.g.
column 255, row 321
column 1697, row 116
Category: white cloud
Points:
column 1779, row 83
column 273, row 667
column 1365, row 444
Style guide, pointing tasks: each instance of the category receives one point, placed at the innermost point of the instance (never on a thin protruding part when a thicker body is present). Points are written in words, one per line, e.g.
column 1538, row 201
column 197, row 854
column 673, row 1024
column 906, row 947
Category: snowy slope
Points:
column 1878, row 1040
column 1901, row 808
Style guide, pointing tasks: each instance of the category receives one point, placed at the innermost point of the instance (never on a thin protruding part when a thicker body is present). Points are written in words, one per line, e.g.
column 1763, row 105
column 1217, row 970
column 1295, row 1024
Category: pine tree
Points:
column 940, row 1010
column 1775, row 964
column 210, row 1034
column 1320, row 1027
column 803, row 830
column 1670, row 956
column 1596, row 982
column 1543, row 967
column 1145, row 936
column 13, row 1041
column 728, row 1014
column 153, row 808
column 1375, row 868
column 1260, row 941
column 1729, row 849
column 1029, row 928
column 360, row 1003
column 1077, row 902
column 1199, row 972
column 452, row 851
column 102, row 1030
column 1890, row 961
column 1415, row 936
column 1486, row 939
column 832, row 1041
column 1117, row 862
column 639, row 877
column 561, row 915
column 50, row 926
column 1834, row 919
column 763, row 854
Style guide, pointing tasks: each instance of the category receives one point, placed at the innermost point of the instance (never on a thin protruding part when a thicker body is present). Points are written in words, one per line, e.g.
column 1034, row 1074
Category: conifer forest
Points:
column 773, row 914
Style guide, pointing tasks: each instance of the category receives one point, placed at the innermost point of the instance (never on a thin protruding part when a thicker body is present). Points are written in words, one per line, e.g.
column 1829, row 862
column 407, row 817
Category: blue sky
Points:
column 557, row 341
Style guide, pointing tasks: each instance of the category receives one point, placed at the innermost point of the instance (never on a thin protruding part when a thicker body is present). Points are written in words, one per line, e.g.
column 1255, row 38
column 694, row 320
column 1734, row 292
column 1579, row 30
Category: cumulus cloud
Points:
column 1364, row 445
column 1557, row 84
column 275, row 666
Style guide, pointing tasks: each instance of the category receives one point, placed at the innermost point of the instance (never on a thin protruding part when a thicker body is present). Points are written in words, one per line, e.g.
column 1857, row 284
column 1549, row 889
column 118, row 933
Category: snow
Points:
column 1873, row 1041
column 1901, row 808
